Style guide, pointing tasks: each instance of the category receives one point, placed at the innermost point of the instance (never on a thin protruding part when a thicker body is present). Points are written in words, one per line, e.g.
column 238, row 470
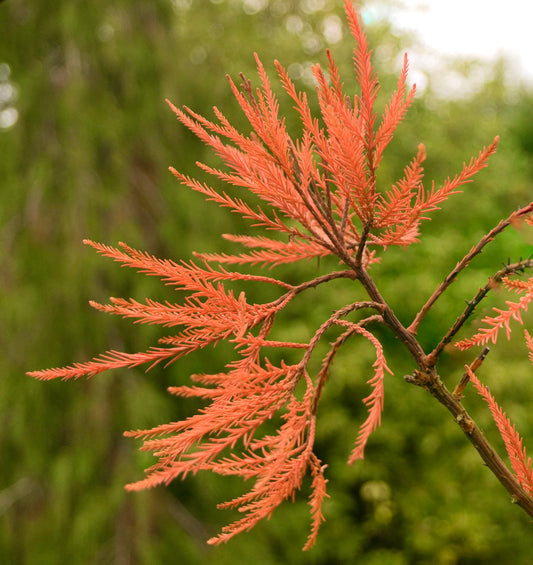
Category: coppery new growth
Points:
column 320, row 197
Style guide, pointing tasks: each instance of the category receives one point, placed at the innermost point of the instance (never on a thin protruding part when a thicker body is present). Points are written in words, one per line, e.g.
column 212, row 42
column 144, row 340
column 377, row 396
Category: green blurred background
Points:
column 85, row 142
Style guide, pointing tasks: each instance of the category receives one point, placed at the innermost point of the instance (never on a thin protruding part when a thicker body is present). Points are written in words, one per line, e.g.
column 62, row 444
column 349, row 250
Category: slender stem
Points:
column 458, row 390
column 471, row 306
column 426, row 376
column 344, row 218
column 389, row 317
column 282, row 301
column 362, row 243
column 514, row 217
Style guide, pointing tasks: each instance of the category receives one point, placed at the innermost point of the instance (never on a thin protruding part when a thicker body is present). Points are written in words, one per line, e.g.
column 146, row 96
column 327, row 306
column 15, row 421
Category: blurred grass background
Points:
column 85, row 142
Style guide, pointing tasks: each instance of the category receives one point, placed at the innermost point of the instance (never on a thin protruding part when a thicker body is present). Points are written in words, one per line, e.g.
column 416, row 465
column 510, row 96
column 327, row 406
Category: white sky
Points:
column 483, row 28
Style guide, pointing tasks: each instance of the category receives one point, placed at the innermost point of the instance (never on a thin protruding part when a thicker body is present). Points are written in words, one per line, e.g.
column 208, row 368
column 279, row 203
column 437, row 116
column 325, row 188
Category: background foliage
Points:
column 88, row 157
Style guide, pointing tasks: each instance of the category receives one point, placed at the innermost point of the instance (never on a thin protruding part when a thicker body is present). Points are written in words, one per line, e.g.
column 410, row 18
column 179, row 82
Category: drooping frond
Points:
column 374, row 401
column 252, row 395
column 316, row 499
column 279, row 470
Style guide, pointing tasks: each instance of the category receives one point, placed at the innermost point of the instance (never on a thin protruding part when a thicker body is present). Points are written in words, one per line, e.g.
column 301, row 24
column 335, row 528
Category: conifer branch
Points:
column 319, row 197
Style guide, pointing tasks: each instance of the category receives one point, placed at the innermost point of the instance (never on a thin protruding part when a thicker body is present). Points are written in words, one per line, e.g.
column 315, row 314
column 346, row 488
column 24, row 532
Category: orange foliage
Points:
column 319, row 197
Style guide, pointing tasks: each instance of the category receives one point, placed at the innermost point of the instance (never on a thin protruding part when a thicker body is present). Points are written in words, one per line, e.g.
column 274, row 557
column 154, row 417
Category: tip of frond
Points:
column 176, row 173
column 491, row 149
column 172, row 107
column 132, row 487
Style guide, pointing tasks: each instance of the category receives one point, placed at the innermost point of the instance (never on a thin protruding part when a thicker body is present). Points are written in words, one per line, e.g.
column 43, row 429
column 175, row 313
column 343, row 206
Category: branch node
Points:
column 465, row 423
column 418, row 378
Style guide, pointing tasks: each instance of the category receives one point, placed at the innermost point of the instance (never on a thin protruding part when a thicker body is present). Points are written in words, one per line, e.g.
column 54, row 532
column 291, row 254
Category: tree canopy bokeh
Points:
column 85, row 143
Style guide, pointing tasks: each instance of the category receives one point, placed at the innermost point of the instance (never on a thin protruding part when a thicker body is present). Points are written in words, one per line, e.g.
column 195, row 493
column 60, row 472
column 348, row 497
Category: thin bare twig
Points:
column 465, row 261
column 458, row 390
column 471, row 305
